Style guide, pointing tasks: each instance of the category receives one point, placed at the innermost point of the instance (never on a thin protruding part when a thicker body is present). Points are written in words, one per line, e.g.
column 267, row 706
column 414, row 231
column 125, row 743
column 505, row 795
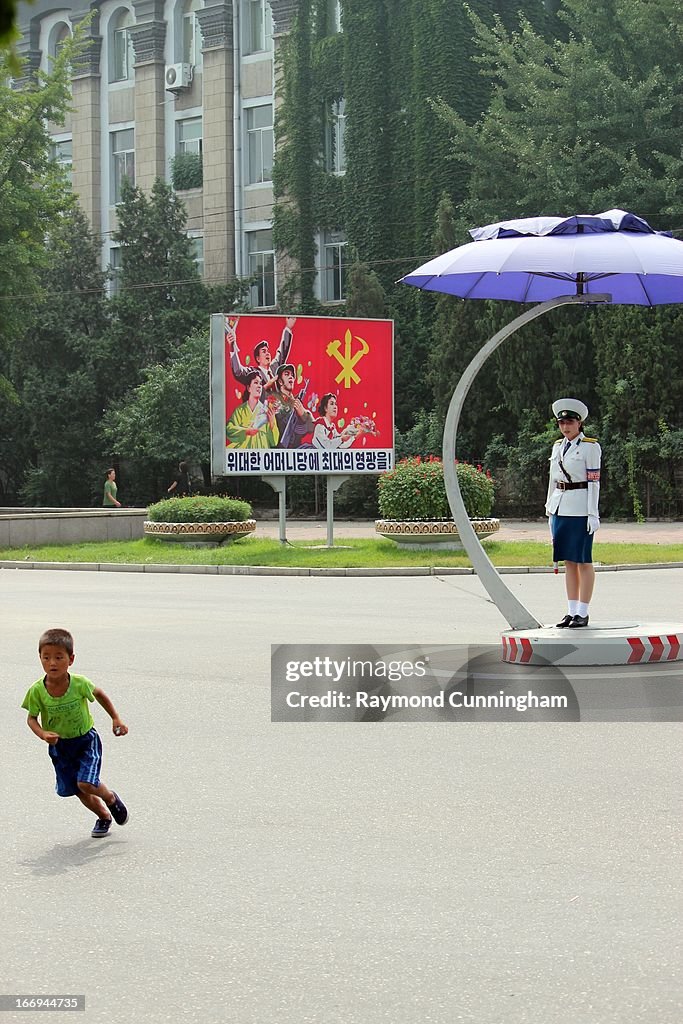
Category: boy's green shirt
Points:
column 69, row 715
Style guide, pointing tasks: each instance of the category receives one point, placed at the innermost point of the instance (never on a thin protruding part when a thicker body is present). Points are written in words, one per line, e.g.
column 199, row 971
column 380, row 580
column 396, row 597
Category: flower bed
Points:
column 200, row 520
column 415, row 509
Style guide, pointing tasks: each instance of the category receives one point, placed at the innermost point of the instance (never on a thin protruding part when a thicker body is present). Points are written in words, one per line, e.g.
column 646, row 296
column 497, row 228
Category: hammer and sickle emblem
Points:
column 347, row 361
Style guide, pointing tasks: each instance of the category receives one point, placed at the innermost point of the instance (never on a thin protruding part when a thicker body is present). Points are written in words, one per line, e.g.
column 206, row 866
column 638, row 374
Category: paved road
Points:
column 340, row 874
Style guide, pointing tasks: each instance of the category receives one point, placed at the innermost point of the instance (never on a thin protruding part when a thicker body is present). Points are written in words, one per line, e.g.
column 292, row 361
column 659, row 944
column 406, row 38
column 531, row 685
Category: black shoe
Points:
column 119, row 811
column 565, row 622
column 101, row 828
column 578, row 621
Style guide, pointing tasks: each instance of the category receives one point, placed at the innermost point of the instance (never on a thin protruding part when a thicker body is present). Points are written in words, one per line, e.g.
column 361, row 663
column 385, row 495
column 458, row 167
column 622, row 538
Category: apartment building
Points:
column 178, row 89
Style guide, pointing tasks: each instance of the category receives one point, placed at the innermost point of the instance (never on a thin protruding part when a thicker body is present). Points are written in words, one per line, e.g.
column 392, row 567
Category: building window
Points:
column 197, row 252
column 261, row 266
column 335, row 129
column 258, row 29
column 189, row 136
column 58, row 36
column 122, row 160
column 259, row 144
column 333, row 267
column 61, row 154
column 121, row 53
column 114, row 270
column 191, row 34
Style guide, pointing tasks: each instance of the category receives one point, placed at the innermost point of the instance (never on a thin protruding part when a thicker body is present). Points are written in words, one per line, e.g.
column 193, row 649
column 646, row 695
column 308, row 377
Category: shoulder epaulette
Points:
column 593, row 440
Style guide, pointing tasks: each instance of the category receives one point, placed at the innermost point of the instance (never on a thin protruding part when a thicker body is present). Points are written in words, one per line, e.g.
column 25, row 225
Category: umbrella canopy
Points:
column 541, row 258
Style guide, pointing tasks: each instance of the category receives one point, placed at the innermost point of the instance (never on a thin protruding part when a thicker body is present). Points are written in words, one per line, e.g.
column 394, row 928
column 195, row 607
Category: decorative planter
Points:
column 437, row 535
column 210, row 534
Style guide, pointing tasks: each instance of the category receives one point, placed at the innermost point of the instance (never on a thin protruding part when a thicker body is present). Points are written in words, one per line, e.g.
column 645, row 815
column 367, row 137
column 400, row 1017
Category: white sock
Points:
column 582, row 607
column 573, row 607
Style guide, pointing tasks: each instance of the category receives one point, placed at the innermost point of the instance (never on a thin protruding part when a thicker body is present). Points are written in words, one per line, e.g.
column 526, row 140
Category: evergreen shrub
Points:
column 203, row 509
column 415, row 489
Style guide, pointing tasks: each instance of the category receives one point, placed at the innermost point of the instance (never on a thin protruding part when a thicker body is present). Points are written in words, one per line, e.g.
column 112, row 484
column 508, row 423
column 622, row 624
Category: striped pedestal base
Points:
column 605, row 643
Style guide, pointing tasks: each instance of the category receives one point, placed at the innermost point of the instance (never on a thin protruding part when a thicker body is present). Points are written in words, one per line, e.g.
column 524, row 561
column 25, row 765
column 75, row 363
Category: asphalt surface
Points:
column 341, row 874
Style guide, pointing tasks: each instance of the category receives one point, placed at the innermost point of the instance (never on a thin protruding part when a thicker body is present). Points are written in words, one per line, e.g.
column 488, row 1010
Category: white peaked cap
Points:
column 565, row 405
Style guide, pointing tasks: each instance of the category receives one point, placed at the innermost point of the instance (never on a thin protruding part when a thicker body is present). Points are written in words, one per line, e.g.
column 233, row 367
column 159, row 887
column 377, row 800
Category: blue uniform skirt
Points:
column 571, row 540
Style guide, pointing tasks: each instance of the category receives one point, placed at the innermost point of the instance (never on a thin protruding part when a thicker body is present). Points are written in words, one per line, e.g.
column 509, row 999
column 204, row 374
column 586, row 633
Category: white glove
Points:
column 593, row 524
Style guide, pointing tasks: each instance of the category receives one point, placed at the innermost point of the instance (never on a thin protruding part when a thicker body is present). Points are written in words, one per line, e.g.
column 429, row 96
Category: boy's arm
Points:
column 34, row 726
column 118, row 727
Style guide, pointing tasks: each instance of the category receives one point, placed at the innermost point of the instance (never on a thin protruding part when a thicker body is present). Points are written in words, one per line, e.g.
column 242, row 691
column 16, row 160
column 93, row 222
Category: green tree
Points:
column 33, row 196
column 592, row 122
column 365, row 293
column 33, row 192
column 8, row 29
column 58, row 372
column 161, row 298
column 163, row 419
column 584, row 123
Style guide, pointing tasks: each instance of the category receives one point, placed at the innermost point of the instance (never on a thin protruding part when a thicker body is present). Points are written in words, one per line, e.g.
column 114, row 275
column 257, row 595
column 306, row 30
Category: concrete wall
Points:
column 19, row 527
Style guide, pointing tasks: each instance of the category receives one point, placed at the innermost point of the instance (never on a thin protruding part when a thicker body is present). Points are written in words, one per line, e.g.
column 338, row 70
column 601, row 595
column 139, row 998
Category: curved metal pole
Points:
column 508, row 605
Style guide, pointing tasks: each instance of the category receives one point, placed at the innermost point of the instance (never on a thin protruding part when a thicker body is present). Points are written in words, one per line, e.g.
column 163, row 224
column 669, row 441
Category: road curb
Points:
column 291, row 570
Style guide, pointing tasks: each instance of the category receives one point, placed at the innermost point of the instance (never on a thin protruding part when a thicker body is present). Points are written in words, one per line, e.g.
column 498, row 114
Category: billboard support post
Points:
column 279, row 484
column 333, row 484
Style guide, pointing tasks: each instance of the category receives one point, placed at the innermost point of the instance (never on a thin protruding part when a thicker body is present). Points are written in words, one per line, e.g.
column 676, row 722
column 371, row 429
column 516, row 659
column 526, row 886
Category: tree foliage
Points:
column 166, row 417
column 33, row 192
column 391, row 58
column 583, row 123
column 161, row 298
column 58, row 371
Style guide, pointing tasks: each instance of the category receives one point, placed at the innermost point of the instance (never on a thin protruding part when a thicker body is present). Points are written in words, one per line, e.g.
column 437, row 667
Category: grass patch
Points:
column 347, row 553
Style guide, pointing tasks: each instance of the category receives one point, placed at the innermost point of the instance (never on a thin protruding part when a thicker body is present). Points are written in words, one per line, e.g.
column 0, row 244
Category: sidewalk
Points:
column 510, row 529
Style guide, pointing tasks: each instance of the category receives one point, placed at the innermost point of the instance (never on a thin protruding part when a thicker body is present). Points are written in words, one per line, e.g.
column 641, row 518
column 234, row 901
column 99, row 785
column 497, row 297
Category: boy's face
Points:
column 55, row 661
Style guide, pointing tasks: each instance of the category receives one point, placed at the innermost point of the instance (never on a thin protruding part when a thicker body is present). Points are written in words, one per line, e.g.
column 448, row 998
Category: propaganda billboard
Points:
column 301, row 394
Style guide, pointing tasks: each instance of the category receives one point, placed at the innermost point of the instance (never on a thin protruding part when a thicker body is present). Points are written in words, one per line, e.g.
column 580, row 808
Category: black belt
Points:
column 562, row 486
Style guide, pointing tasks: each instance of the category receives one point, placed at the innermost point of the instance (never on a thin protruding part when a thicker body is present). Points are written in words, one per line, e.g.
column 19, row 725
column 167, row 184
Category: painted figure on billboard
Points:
column 325, row 434
column 293, row 419
column 266, row 364
column 252, row 424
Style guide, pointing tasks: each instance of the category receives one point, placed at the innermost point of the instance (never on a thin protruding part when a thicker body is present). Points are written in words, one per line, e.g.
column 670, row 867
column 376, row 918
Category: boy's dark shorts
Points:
column 77, row 760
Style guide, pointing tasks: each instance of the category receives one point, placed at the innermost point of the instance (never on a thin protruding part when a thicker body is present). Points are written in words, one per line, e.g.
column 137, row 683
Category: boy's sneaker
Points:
column 101, row 828
column 119, row 811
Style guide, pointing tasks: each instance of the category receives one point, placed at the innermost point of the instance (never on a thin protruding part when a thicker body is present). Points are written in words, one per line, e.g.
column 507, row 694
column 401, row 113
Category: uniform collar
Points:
column 575, row 440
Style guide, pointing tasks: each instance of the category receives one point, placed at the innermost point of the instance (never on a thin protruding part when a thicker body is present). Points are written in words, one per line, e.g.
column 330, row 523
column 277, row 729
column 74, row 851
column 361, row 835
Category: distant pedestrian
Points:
column 60, row 701
column 182, row 485
column 109, row 497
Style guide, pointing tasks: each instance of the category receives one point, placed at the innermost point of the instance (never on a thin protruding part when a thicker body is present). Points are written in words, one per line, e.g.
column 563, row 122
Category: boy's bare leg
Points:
column 94, row 804
column 106, row 795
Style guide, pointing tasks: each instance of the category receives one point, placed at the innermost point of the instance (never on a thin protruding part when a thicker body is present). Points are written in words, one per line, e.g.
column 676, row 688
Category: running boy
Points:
column 66, row 725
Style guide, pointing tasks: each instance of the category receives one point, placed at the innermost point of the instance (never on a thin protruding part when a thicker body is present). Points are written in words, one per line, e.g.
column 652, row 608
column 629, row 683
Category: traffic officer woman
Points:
column 572, row 505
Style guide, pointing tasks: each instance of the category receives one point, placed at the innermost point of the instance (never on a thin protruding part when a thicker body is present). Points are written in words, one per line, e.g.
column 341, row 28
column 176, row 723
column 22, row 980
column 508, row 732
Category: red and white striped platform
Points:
column 606, row 643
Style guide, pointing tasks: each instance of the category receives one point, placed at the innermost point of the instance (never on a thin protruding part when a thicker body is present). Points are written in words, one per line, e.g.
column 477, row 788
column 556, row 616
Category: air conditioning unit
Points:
column 178, row 76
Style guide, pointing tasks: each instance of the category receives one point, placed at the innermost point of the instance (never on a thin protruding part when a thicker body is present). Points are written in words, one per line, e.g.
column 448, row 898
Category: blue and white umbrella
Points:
column 541, row 258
